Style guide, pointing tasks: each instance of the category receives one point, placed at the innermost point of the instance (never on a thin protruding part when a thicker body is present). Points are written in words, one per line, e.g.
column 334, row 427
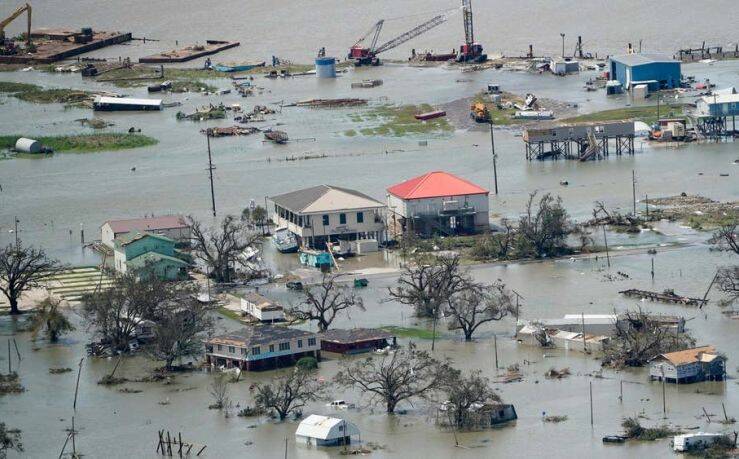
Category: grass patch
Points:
column 647, row 113
column 399, row 121
column 410, row 332
column 500, row 116
column 36, row 94
column 230, row 314
column 85, row 143
column 350, row 133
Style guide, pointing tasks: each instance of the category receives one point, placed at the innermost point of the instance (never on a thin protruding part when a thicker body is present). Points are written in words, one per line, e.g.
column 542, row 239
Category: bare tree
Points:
column 427, row 287
column 50, row 320
column 178, row 331
column 639, row 338
column 288, row 394
column 403, row 375
column 478, row 304
column 727, row 281
column 465, row 393
column 543, row 231
column 219, row 391
column 21, row 269
column 323, row 302
column 10, row 440
column 220, row 248
column 726, row 239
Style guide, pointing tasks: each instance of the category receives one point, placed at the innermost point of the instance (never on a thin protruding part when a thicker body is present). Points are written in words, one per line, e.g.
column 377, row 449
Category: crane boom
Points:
column 413, row 33
column 469, row 34
column 374, row 30
column 12, row 17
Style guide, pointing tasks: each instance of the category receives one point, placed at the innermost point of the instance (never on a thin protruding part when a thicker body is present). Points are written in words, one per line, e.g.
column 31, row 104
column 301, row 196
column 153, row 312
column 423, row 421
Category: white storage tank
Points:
column 326, row 67
column 639, row 92
column 24, row 145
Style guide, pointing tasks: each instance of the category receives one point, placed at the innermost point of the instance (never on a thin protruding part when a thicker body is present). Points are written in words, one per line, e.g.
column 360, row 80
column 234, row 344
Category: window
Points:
column 271, row 348
column 256, row 350
column 325, row 220
column 360, row 217
column 300, row 343
column 311, row 341
column 342, row 219
column 231, row 349
column 220, row 347
column 243, row 351
column 285, row 346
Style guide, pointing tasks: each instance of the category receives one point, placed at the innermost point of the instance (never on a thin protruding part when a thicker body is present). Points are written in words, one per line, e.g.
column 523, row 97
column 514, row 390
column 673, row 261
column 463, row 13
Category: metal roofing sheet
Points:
column 435, row 184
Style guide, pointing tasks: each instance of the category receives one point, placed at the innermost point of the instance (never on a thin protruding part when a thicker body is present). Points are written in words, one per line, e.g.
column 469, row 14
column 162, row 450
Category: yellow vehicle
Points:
column 480, row 112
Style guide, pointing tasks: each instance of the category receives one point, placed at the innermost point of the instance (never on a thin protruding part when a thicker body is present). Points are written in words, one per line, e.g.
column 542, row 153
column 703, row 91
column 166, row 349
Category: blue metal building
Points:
column 657, row 71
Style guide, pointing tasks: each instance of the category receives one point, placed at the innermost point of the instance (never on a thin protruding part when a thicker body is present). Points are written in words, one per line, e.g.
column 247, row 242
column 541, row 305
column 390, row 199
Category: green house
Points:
column 148, row 252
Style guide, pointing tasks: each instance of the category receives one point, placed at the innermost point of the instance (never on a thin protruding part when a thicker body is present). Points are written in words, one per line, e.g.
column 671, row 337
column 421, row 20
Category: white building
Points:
column 437, row 203
column 171, row 226
column 329, row 213
column 262, row 308
column 724, row 103
column 319, row 430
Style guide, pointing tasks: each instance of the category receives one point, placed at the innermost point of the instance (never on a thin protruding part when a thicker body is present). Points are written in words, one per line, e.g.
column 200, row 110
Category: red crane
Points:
column 362, row 55
column 469, row 51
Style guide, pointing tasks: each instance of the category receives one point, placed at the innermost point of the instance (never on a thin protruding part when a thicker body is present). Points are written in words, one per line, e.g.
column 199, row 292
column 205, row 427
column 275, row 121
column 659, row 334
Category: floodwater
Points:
column 55, row 197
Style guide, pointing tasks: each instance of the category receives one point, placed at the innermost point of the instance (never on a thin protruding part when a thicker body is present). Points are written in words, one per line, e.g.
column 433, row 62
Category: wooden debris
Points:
column 667, row 296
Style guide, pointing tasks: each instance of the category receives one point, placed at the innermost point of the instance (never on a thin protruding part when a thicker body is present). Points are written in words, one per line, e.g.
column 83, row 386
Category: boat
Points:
column 430, row 115
column 276, row 136
column 242, row 67
column 284, row 241
column 614, row 439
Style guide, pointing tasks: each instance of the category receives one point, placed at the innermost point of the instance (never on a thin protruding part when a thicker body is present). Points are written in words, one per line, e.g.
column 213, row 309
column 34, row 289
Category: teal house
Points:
column 148, row 252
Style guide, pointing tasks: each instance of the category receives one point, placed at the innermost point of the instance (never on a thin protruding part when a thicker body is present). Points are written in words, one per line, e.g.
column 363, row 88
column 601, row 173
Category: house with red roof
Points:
column 437, row 203
column 171, row 226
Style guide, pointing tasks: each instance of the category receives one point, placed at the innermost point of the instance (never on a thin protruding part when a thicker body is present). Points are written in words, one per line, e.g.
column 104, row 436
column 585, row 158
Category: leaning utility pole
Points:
column 492, row 146
column 210, row 172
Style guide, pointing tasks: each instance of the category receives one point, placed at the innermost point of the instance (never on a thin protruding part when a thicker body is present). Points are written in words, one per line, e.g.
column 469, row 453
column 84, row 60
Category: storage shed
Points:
column 320, row 430
column 657, row 71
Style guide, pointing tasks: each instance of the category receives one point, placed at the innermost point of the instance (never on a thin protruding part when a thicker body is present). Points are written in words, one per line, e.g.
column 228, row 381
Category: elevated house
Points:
column 327, row 213
column 172, row 226
column 148, row 252
column 690, row 365
column 437, row 203
column 261, row 308
column 356, row 340
column 319, row 430
column 261, row 347
column 656, row 71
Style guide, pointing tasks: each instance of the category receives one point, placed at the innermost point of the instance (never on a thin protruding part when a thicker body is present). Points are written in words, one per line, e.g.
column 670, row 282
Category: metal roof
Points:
column 355, row 335
column 129, row 238
column 145, row 259
column 147, row 224
column 633, row 60
column 323, row 428
column 435, row 184
column 722, row 98
column 127, row 101
column 260, row 334
column 325, row 198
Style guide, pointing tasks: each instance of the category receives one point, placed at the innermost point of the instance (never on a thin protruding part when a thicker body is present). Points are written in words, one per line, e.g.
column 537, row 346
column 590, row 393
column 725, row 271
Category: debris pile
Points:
column 329, row 103
column 230, row 131
column 212, row 112
column 553, row 373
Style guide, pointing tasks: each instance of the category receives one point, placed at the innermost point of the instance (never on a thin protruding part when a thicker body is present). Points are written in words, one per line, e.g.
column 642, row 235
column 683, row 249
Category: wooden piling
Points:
column 591, row 403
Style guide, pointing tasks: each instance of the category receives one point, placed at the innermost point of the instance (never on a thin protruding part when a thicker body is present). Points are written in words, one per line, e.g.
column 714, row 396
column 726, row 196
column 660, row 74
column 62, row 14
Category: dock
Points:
column 189, row 53
column 53, row 45
column 668, row 296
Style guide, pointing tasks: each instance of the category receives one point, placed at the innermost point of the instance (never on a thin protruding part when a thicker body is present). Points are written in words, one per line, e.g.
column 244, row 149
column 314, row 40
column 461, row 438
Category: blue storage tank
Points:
column 326, row 67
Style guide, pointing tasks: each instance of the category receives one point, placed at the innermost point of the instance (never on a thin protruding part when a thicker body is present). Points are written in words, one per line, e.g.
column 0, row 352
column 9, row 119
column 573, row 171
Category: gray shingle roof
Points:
column 261, row 334
column 641, row 59
column 300, row 200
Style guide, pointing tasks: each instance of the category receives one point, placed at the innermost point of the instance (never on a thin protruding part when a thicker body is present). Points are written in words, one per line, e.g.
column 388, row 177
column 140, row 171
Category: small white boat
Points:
column 285, row 241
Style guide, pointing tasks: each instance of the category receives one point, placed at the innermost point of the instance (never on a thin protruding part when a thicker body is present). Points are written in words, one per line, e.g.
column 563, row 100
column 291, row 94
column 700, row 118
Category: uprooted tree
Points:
column 543, row 228
column 48, row 319
column 428, row 286
column 726, row 238
column 220, row 248
column 288, row 394
column 322, row 303
column 21, row 269
column 467, row 396
column 116, row 312
column 639, row 338
column 403, row 375
column 727, row 280
column 478, row 304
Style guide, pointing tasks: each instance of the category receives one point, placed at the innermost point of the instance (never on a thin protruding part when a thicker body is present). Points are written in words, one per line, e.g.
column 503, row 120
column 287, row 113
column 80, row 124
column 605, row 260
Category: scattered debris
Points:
column 553, row 373
column 212, row 112
column 10, row 384
column 555, row 419
column 58, row 371
column 667, row 296
column 329, row 103
column 230, row 131
column 367, row 84
column 95, row 123
column 279, row 137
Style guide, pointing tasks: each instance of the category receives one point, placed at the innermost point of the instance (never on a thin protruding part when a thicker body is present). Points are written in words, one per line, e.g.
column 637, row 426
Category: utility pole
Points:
column 633, row 189
column 605, row 239
column 591, row 403
column 16, row 232
column 646, row 204
column 658, row 99
column 518, row 296
column 495, row 167
column 495, row 344
column 210, row 172
column 664, row 400
column 563, row 44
